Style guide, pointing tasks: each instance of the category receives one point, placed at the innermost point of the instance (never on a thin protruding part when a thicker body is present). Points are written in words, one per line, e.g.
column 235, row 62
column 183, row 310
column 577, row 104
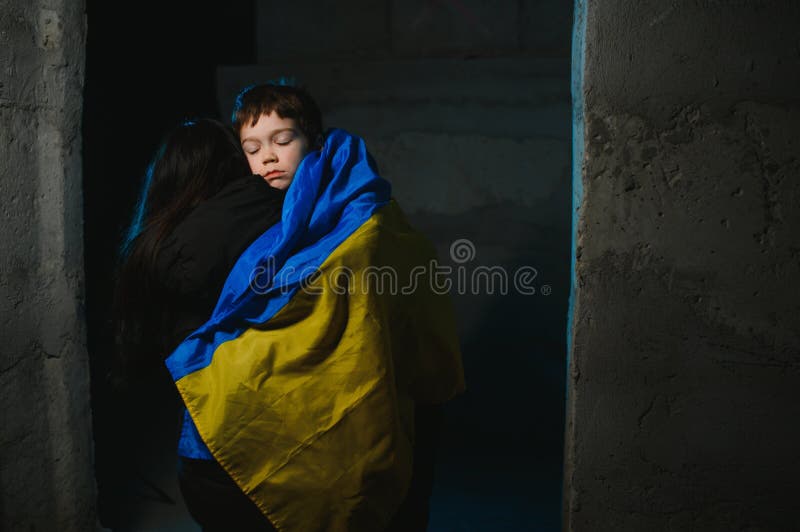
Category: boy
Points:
column 335, row 412
column 278, row 125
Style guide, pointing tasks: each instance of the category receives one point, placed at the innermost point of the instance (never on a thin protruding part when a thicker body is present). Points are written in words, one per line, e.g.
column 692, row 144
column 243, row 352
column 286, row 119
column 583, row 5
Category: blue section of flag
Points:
column 190, row 444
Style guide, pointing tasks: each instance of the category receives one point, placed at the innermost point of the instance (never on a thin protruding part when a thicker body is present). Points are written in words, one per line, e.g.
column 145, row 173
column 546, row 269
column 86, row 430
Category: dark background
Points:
column 152, row 65
column 149, row 66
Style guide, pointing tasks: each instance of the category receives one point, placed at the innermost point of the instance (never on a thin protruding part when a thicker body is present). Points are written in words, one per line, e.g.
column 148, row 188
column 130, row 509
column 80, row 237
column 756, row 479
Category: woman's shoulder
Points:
column 206, row 243
column 243, row 187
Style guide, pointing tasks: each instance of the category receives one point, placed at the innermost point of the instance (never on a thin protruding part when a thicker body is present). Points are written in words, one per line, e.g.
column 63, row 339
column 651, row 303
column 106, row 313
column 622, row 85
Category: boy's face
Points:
column 274, row 147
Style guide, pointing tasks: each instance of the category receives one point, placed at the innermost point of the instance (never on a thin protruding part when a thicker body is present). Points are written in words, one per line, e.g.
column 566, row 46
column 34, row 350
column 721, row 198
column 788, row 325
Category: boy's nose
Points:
column 270, row 157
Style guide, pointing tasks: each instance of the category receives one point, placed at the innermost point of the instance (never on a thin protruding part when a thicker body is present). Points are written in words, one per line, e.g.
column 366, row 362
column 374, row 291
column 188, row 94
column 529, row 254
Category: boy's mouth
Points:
column 274, row 173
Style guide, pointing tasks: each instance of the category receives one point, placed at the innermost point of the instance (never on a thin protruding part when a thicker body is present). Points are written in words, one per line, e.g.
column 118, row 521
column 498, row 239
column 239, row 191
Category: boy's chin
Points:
column 281, row 183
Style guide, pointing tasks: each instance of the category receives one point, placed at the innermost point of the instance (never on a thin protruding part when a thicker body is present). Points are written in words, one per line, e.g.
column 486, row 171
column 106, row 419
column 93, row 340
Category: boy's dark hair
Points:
column 286, row 100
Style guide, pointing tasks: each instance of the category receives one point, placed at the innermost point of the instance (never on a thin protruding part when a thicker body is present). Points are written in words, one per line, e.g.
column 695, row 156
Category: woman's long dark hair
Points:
column 194, row 161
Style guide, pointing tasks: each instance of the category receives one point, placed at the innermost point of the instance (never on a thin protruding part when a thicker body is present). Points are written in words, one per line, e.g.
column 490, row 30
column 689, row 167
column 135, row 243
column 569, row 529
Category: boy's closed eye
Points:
column 251, row 148
column 284, row 139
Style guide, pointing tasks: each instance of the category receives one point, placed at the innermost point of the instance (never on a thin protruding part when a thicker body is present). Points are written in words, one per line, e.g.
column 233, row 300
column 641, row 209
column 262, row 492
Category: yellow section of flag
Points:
column 312, row 412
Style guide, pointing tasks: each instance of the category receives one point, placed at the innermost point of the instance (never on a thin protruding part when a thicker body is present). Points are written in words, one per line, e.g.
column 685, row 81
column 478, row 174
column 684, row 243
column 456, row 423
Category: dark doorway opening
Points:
column 149, row 65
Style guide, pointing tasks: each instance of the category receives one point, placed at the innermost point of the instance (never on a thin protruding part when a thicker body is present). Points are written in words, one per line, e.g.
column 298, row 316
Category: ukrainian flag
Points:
column 329, row 328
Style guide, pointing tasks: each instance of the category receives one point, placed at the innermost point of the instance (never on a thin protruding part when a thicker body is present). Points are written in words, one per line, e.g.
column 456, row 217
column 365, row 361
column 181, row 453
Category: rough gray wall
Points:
column 465, row 106
column 46, row 473
column 476, row 150
column 391, row 29
column 682, row 411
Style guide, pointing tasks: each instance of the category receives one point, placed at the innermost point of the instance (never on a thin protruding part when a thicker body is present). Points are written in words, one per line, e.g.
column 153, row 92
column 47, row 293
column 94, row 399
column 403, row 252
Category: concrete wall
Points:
column 391, row 29
column 684, row 364
column 46, row 473
column 466, row 108
column 477, row 150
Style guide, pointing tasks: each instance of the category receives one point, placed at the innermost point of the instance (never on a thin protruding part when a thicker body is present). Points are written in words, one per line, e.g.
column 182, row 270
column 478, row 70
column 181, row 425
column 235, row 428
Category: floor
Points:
column 480, row 497
column 487, row 483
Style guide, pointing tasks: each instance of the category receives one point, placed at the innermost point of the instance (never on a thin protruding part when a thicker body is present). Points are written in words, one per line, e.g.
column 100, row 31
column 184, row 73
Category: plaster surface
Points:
column 685, row 347
column 46, row 470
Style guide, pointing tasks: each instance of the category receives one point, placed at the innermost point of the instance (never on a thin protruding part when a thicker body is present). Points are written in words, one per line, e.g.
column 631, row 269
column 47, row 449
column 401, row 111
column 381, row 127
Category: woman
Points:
column 200, row 207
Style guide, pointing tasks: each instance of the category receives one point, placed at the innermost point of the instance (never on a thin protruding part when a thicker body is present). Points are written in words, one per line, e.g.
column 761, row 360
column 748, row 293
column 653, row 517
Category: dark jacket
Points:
column 195, row 258
column 192, row 267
